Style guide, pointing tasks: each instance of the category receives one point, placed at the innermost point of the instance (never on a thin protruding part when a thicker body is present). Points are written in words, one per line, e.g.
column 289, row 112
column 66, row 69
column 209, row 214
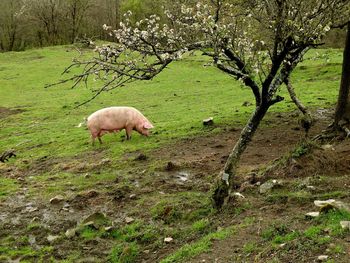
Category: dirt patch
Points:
column 5, row 112
column 187, row 169
column 208, row 154
column 329, row 159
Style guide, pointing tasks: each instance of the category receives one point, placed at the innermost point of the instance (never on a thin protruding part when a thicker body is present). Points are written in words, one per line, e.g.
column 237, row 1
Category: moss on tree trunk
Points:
column 224, row 183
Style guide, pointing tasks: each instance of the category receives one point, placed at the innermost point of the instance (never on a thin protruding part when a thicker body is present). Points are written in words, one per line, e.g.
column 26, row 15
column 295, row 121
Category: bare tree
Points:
column 342, row 112
column 257, row 42
column 10, row 24
column 48, row 15
column 76, row 11
column 113, row 12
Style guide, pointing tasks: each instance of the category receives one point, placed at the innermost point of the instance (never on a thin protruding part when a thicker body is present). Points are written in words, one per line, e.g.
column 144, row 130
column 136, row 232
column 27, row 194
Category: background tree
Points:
column 74, row 19
column 228, row 32
column 342, row 112
column 47, row 15
column 76, row 11
column 11, row 19
column 113, row 12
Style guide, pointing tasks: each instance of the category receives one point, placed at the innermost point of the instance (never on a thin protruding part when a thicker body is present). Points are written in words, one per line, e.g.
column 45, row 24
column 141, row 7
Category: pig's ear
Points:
column 147, row 125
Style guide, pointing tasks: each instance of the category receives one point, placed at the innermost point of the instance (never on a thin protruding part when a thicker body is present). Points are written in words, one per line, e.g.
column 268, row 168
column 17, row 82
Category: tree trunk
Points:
column 307, row 120
column 224, row 184
column 342, row 111
column 117, row 14
column 295, row 99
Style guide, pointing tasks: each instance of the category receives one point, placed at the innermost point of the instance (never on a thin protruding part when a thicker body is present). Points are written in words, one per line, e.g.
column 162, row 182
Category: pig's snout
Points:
column 145, row 132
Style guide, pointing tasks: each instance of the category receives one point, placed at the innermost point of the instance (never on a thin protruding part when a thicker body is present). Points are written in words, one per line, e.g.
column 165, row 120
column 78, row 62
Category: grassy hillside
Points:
column 176, row 101
column 56, row 158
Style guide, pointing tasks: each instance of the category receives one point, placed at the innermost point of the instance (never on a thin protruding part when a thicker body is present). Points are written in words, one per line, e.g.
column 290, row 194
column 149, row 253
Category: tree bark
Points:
column 307, row 121
column 224, row 184
column 342, row 111
column 295, row 99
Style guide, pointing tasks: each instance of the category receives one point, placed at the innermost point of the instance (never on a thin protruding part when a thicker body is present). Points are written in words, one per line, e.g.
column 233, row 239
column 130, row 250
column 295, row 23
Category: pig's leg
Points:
column 99, row 137
column 93, row 137
column 128, row 131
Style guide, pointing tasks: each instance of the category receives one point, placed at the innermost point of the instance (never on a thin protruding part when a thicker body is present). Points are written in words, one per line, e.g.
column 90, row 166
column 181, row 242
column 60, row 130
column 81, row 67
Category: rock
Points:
column 268, row 186
column 182, row 176
column 322, row 258
column 66, row 207
column 56, row 200
column 208, row 122
column 311, row 187
column 109, row 228
column 89, row 223
column 71, row 233
column 327, row 147
column 168, row 239
column 129, row 220
column 246, row 104
column 32, row 240
column 91, row 194
column 87, row 175
column 96, row 220
column 31, row 209
column 171, row 166
column 52, row 238
column 141, row 157
column 35, row 219
column 312, row 214
column 239, row 195
column 105, row 161
column 331, row 204
column 345, row 224
column 132, row 196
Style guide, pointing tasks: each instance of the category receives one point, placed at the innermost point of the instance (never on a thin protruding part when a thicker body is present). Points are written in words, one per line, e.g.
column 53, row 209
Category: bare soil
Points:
column 199, row 159
column 4, row 112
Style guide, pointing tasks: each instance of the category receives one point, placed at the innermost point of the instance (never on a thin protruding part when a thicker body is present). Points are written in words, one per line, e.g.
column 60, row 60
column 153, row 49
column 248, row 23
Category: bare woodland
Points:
column 35, row 23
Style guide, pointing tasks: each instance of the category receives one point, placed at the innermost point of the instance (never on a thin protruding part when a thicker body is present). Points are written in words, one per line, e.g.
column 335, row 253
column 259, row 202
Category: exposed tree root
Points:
column 220, row 195
column 339, row 131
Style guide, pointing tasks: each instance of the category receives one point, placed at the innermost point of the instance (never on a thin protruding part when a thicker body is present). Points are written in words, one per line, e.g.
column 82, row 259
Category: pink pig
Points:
column 114, row 119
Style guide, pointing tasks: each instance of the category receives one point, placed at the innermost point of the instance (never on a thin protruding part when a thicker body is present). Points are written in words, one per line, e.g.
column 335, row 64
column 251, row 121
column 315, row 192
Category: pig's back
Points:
column 113, row 117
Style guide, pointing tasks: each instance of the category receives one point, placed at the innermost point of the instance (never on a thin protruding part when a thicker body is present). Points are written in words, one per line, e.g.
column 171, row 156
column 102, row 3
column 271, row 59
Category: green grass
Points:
column 7, row 186
column 124, row 253
column 250, row 247
column 203, row 245
column 324, row 232
column 175, row 101
column 26, row 253
column 56, row 155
